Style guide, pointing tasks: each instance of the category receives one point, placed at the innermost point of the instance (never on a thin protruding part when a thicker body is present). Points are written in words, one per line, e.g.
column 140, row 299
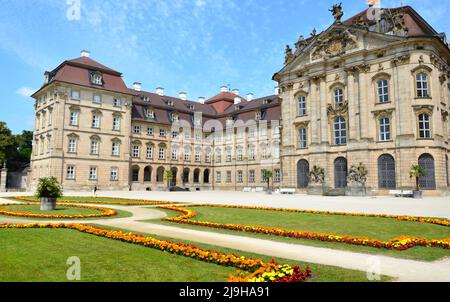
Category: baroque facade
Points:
column 365, row 91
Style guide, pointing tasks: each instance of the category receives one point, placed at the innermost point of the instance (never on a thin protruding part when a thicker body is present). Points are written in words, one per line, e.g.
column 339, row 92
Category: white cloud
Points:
column 25, row 91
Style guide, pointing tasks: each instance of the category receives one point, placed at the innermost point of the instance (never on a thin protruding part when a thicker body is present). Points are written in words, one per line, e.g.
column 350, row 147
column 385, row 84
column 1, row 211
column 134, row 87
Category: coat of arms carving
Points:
column 334, row 44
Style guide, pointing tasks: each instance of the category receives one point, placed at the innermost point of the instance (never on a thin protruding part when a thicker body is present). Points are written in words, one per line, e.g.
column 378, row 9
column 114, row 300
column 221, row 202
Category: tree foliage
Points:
column 15, row 150
column 317, row 175
column 358, row 174
column 48, row 187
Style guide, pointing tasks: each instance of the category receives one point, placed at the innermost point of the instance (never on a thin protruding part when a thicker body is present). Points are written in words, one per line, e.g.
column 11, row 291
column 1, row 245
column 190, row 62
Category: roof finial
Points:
column 337, row 12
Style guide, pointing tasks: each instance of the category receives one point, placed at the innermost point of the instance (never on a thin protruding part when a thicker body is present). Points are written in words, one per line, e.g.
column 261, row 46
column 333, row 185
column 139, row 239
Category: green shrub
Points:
column 48, row 187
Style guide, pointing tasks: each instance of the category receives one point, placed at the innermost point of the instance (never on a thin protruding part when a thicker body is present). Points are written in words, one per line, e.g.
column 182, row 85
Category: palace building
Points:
column 373, row 89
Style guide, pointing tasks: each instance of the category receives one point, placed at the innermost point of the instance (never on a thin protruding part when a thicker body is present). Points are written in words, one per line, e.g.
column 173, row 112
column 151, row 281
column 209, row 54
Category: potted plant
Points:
column 316, row 181
column 357, row 176
column 168, row 176
column 417, row 172
column 48, row 190
column 267, row 175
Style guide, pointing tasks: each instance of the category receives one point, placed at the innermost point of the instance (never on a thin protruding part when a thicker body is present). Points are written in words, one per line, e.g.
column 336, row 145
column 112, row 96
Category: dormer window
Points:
column 170, row 103
column 266, row 101
column 190, row 106
column 237, row 108
column 149, row 113
column 96, row 78
column 145, row 98
column 258, row 115
column 173, row 117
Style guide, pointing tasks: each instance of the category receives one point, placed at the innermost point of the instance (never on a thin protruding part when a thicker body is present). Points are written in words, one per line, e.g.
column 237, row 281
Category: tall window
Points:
column 302, row 138
column 197, row 156
column 340, row 131
column 251, row 153
column 277, row 176
column 93, row 173
column 94, row 146
column 114, row 174
column 96, row 120
column 302, row 105
column 162, row 153
column 74, row 118
column 116, row 123
column 228, row 155
column 149, row 152
column 70, row 173
column 424, row 126
column 239, row 155
column 422, row 85
column 149, row 113
column 208, row 157
column 383, row 91
column 115, row 149
column 72, row 145
column 228, row 176
column 135, row 151
column 218, row 176
column 251, row 176
column 385, row 129
column 187, row 155
column 174, row 154
column 338, row 96
column 239, row 176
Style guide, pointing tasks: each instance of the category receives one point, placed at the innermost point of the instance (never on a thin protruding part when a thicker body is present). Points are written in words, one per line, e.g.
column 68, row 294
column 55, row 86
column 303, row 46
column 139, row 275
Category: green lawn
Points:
column 92, row 200
column 41, row 255
column 60, row 209
column 321, row 273
column 372, row 227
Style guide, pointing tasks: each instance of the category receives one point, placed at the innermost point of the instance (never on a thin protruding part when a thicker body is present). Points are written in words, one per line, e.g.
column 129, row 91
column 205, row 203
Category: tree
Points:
column 358, row 174
column 317, row 175
column 168, row 176
column 8, row 145
column 267, row 175
column 417, row 172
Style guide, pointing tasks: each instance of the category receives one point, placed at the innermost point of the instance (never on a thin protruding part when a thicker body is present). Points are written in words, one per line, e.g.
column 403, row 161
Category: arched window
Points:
column 422, row 85
column 386, row 172
column 148, row 174
column 428, row 181
column 160, row 174
column 196, row 176
column 302, row 174
column 186, row 172
column 338, row 97
column 385, row 129
column 340, row 172
column 302, row 105
column 206, row 176
column 302, row 138
column 135, row 173
column 383, row 90
column 424, row 126
column 340, row 131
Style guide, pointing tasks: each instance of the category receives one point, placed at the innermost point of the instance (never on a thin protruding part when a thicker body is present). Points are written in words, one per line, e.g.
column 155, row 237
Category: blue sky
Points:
column 182, row 45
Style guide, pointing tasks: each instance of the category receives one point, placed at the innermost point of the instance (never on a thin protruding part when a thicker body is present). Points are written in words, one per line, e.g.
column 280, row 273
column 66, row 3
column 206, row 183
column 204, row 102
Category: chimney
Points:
column 249, row 97
column 183, row 96
column 236, row 91
column 137, row 86
column 224, row 89
column 237, row 100
column 160, row 91
column 201, row 99
column 85, row 53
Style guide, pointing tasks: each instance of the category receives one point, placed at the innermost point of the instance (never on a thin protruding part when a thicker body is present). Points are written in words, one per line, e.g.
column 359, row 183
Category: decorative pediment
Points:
column 337, row 110
column 334, row 43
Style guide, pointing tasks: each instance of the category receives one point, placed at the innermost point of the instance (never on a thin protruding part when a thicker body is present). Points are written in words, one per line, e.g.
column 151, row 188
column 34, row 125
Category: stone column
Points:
column 314, row 101
column 3, row 177
column 324, row 127
column 352, row 105
column 363, row 103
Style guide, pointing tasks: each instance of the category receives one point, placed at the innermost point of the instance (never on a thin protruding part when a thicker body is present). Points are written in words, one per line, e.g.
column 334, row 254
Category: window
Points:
column 240, row 155
column 115, row 149
column 162, row 153
column 385, row 129
column 94, row 146
column 340, row 131
column 229, row 155
column 187, row 155
column 265, row 153
column 75, row 95
column 173, row 116
column 277, row 176
column 162, row 132
column 74, row 118
column 135, row 151
column 97, row 79
column 302, row 105
column 218, row 156
column 218, row 177
column 174, row 154
column 228, row 176
column 187, row 134
column 70, row 173
column 197, row 156
column 239, row 176
column 258, row 115
column 208, row 157
column 422, row 85
column 136, row 129
column 114, row 174
column 116, row 123
column 117, row 102
column 149, row 152
column 93, row 173
column 97, row 98
column 49, row 120
column 174, row 134
column 383, row 91
column 251, row 154
column 263, row 131
column 72, row 145
column 149, row 113
column 302, row 138
column 150, row 131
column 251, row 176
column 96, row 120
column 263, row 178
column 424, row 126
column 338, row 96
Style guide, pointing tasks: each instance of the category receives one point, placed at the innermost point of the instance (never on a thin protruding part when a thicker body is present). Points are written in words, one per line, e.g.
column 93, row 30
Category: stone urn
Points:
column 48, row 203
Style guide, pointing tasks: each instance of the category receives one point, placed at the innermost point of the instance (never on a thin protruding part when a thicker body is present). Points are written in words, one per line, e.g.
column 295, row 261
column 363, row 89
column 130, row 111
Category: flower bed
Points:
column 250, row 270
column 112, row 201
column 105, row 212
column 400, row 243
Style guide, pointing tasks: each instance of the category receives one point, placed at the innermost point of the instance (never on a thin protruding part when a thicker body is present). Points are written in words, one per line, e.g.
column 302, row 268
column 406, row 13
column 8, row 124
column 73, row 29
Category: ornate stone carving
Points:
column 334, row 44
column 289, row 56
column 383, row 112
column 364, row 68
column 401, row 60
column 337, row 110
column 362, row 23
column 314, row 32
column 399, row 24
column 301, row 44
column 443, row 78
column 337, row 12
